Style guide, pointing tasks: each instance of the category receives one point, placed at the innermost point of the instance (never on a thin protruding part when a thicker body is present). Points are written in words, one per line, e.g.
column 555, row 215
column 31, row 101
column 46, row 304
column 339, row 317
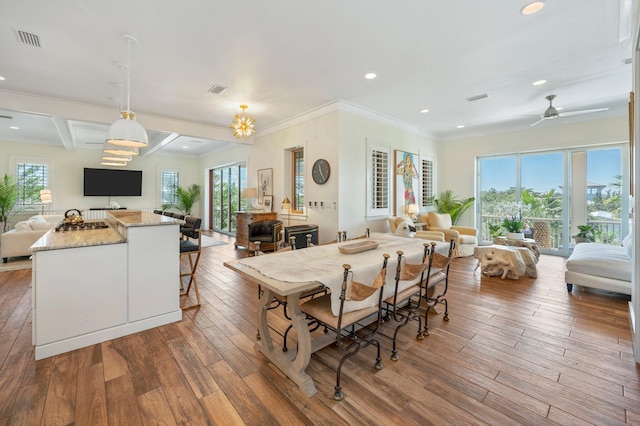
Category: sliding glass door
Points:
column 226, row 185
column 554, row 192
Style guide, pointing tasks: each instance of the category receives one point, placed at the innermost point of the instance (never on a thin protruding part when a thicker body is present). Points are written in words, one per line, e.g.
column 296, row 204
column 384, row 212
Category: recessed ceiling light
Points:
column 460, row 126
column 14, row 127
column 532, row 8
column 370, row 76
column 539, row 82
column 185, row 147
column 424, row 111
column 2, row 78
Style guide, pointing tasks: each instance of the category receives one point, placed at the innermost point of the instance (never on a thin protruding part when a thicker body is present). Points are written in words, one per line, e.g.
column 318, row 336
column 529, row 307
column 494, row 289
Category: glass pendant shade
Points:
column 111, row 157
column 127, row 132
column 109, row 148
column 113, row 163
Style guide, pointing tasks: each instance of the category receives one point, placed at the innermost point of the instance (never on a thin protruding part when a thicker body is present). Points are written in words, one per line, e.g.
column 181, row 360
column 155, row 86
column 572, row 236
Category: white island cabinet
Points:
column 94, row 285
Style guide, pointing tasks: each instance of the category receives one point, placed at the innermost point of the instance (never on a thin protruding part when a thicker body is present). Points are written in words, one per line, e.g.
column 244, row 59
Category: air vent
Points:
column 7, row 117
column 28, row 38
column 216, row 89
column 477, row 97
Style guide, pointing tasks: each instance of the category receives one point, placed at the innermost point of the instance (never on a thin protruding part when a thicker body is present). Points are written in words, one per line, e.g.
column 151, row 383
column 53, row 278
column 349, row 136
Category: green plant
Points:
column 449, row 203
column 8, row 199
column 586, row 232
column 512, row 224
column 495, row 230
column 187, row 197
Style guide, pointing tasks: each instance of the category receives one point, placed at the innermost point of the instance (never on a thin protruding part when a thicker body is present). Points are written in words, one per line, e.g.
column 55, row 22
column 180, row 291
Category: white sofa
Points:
column 601, row 266
column 18, row 241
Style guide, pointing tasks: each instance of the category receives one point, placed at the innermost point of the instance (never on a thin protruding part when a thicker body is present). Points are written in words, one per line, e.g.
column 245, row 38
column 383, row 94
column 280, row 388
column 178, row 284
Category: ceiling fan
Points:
column 551, row 112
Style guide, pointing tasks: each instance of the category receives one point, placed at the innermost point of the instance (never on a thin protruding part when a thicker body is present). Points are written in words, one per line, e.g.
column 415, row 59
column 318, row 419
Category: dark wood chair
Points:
column 347, row 339
column 268, row 232
column 190, row 247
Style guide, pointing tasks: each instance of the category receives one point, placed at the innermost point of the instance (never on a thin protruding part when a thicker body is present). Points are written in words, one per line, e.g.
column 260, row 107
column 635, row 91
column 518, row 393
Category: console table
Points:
column 243, row 219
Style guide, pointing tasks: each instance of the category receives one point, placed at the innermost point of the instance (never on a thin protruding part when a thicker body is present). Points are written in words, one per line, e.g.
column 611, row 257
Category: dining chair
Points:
column 443, row 264
column 401, row 307
column 190, row 247
column 344, row 324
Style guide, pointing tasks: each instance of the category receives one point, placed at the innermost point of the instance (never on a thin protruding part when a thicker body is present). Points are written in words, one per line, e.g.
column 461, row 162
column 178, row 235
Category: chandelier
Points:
column 126, row 131
column 243, row 126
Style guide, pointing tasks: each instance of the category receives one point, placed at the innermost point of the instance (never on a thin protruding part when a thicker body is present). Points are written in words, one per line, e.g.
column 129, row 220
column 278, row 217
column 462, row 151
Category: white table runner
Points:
column 324, row 265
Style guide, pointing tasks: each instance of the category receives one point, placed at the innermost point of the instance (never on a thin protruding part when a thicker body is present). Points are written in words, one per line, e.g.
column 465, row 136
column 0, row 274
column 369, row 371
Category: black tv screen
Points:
column 112, row 182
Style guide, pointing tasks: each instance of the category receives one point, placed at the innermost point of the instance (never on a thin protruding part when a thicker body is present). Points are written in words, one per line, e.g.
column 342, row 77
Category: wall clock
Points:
column 321, row 171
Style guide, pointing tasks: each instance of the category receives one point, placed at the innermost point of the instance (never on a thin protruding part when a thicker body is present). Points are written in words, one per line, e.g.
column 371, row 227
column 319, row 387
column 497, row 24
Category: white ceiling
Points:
column 286, row 57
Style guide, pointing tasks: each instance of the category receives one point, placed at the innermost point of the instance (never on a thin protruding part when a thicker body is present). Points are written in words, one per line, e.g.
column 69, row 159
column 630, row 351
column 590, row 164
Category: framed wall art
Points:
column 265, row 183
column 407, row 182
column 268, row 203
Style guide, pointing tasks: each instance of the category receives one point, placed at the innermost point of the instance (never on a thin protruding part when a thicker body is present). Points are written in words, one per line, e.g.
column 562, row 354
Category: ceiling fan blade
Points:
column 584, row 111
column 539, row 121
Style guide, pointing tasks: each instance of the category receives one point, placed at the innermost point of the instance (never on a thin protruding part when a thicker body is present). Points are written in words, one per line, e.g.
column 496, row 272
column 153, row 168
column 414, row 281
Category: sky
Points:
column 542, row 172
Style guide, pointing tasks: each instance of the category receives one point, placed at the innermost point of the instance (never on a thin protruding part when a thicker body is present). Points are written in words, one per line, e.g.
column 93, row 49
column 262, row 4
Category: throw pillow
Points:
column 439, row 220
column 41, row 226
column 23, row 225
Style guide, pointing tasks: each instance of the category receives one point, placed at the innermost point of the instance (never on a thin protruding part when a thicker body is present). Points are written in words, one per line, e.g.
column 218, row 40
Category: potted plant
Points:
column 495, row 230
column 8, row 199
column 586, row 234
column 187, row 197
column 513, row 225
column 449, row 203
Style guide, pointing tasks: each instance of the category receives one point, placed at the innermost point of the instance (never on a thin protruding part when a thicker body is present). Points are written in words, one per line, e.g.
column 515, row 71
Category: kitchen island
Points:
column 94, row 285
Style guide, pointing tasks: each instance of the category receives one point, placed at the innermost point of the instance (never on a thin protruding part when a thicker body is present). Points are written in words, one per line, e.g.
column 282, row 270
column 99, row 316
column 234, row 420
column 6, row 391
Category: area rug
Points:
column 15, row 264
column 210, row 242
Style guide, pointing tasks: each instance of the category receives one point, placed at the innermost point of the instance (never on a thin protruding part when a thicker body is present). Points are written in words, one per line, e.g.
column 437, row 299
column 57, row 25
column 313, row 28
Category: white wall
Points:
column 456, row 164
column 355, row 131
column 66, row 178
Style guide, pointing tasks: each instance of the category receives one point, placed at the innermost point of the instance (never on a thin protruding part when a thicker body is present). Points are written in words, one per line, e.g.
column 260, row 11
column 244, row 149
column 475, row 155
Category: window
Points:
column 31, row 177
column 226, row 184
column 169, row 181
column 297, row 179
column 428, row 195
column 378, row 181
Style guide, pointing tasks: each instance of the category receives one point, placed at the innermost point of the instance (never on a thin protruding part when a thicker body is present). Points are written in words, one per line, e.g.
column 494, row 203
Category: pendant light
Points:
column 243, row 126
column 126, row 131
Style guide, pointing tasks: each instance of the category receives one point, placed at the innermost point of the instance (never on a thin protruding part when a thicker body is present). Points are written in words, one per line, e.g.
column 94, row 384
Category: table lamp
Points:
column 250, row 194
column 286, row 206
column 45, row 198
column 413, row 210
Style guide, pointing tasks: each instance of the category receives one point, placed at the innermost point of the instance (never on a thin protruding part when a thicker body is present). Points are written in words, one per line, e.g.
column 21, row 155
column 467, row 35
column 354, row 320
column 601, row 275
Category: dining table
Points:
column 291, row 273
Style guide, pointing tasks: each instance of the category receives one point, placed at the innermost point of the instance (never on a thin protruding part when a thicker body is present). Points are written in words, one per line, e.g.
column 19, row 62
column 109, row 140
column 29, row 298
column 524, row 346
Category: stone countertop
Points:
column 130, row 218
column 53, row 240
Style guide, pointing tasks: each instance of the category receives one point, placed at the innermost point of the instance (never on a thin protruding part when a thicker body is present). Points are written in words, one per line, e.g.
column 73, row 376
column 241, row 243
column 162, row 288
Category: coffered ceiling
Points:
column 284, row 58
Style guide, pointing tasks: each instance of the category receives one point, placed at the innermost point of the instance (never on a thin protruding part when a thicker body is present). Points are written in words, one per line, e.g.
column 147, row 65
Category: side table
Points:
column 529, row 243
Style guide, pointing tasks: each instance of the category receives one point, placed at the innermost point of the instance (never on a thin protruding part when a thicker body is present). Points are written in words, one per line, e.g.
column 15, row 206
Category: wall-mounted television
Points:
column 112, row 182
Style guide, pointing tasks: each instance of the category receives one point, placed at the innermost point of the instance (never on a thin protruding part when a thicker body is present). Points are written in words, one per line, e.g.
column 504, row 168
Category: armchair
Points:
column 268, row 232
column 466, row 237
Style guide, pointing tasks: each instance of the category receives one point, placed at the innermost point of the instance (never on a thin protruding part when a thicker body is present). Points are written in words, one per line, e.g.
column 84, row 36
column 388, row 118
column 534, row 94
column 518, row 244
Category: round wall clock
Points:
column 321, row 171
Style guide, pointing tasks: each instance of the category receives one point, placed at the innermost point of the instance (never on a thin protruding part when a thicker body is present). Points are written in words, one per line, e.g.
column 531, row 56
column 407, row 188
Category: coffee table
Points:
column 506, row 261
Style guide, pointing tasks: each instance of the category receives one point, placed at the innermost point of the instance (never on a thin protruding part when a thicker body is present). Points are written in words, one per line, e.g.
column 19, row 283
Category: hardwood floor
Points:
column 513, row 352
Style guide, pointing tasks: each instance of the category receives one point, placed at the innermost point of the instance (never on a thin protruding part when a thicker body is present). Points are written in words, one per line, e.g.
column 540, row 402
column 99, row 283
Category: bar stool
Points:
column 190, row 247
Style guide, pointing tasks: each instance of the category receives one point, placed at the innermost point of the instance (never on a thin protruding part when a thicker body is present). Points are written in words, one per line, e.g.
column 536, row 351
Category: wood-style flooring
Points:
column 513, row 352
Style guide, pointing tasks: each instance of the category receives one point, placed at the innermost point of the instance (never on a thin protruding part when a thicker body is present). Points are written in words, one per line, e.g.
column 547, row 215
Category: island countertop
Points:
column 118, row 222
column 53, row 240
column 129, row 218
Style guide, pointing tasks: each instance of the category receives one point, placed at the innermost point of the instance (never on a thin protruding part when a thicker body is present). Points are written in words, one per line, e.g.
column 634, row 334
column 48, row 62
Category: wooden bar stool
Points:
column 190, row 247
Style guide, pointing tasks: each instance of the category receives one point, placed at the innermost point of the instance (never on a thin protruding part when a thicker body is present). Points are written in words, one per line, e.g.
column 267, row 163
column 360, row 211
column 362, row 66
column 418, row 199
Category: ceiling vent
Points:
column 7, row 117
column 216, row 89
column 28, row 38
column 477, row 97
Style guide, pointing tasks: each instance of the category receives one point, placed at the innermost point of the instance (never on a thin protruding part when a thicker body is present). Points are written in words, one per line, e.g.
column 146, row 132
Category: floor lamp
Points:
column 45, row 198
